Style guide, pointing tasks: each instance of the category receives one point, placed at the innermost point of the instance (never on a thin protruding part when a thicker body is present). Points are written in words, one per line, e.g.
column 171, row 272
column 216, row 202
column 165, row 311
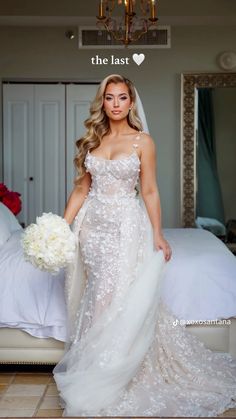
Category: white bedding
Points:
column 30, row 299
column 200, row 284
column 200, row 280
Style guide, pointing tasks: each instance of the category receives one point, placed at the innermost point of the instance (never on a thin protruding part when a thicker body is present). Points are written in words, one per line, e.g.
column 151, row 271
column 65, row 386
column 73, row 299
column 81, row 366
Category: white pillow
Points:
column 5, row 233
column 8, row 223
column 211, row 224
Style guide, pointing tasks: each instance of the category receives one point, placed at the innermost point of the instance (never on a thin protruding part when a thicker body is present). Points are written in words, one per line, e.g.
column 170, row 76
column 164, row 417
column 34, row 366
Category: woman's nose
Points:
column 116, row 102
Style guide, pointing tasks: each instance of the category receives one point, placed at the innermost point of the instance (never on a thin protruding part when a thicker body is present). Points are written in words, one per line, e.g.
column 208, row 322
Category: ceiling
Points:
column 73, row 12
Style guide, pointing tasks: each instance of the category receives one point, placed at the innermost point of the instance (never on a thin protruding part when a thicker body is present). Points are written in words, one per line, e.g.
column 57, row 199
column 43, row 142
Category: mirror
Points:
column 208, row 150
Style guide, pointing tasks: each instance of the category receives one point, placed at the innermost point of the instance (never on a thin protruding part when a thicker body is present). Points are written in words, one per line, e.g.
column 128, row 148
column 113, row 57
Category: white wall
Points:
column 44, row 53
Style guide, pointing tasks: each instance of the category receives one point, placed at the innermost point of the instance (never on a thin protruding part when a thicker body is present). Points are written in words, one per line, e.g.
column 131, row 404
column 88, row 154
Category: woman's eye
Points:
column 111, row 98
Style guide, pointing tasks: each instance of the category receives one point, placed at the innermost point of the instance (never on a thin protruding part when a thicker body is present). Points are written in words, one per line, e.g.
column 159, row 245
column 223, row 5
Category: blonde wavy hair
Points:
column 98, row 123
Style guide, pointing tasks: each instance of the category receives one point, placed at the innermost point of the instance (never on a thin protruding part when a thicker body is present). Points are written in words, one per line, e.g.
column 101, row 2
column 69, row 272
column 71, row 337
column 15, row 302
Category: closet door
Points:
column 78, row 100
column 18, row 145
column 49, row 148
column 34, row 147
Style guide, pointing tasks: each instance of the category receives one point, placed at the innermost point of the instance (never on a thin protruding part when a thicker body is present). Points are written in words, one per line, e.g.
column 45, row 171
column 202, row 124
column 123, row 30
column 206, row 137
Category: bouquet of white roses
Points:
column 49, row 244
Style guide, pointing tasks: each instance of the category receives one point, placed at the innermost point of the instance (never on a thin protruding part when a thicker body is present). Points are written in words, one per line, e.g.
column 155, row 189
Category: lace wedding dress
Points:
column 126, row 355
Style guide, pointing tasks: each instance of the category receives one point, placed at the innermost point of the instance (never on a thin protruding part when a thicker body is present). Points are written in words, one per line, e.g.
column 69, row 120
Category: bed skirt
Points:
column 19, row 347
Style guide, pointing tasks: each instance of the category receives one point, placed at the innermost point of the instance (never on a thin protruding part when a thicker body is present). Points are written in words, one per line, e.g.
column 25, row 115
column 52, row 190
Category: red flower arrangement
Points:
column 10, row 199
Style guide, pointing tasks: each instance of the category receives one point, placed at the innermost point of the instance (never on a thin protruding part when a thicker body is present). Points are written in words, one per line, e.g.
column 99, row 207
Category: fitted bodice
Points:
column 112, row 178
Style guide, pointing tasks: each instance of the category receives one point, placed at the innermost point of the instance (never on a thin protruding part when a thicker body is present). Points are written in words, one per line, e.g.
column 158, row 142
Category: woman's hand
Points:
column 161, row 243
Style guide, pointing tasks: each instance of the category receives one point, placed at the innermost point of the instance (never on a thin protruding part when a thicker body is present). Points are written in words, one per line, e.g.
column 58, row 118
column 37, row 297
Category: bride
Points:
column 125, row 355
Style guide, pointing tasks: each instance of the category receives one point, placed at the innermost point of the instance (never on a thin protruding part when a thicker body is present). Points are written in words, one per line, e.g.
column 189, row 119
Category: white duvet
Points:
column 30, row 299
column 200, row 281
column 199, row 284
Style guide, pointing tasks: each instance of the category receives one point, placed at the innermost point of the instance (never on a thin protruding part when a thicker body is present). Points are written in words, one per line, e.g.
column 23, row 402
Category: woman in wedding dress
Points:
column 126, row 355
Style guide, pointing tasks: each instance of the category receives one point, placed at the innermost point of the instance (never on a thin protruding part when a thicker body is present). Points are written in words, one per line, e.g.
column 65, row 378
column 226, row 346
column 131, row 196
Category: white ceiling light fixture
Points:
column 130, row 27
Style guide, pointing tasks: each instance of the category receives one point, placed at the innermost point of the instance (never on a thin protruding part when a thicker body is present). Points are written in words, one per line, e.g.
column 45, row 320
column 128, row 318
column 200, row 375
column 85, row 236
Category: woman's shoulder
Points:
column 146, row 139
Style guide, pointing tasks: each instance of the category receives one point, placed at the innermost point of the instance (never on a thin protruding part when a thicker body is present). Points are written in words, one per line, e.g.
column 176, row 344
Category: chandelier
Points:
column 130, row 27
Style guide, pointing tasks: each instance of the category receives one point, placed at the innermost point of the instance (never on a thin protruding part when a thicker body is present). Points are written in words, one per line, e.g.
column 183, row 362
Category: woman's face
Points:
column 117, row 101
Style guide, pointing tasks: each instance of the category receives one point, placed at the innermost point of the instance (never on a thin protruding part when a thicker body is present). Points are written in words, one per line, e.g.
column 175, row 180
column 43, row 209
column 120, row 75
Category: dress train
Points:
column 126, row 354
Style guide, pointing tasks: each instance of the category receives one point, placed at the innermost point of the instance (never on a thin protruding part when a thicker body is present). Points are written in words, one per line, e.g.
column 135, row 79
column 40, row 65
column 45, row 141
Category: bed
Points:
column 199, row 287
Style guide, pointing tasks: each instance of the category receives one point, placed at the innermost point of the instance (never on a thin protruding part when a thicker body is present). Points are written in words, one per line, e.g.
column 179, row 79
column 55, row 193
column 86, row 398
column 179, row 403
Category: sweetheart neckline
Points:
column 123, row 158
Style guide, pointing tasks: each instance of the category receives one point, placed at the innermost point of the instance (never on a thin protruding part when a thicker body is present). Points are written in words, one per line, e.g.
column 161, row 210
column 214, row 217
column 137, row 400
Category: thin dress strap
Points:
column 137, row 138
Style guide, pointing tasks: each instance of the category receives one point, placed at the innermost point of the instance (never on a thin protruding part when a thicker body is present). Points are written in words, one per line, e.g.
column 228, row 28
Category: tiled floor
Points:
column 35, row 395
column 28, row 395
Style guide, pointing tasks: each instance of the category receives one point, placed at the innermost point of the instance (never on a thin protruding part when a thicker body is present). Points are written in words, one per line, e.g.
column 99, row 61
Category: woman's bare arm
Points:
column 148, row 182
column 77, row 198
column 150, row 193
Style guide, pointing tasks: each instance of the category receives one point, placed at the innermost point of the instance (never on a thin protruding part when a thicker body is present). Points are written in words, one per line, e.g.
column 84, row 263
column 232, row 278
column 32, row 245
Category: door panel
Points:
column 41, row 124
column 18, row 138
column 49, row 148
column 78, row 102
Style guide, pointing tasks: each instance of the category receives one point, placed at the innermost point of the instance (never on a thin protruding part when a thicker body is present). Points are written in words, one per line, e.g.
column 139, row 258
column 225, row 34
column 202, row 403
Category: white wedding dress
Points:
column 126, row 356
